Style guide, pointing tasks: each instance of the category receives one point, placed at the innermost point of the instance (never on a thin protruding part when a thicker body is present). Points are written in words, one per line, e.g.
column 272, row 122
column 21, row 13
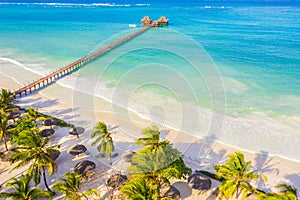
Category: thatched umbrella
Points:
column 50, row 122
column 13, row 115
column 117, row 180
column 146, row 21
column 76, row 131
column 199, row 181
column 173, row 193
column 127, row 157
column 84, row 167
column 54, row 156
column 47, row 132
column 10, row 126
column 77, row 150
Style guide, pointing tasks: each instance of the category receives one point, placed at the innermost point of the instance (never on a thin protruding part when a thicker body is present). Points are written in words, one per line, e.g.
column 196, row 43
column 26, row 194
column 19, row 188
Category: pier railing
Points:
column 42, row 82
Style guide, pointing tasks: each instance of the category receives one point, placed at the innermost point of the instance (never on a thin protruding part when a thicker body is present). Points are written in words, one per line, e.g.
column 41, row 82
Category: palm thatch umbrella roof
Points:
column 10, row 126
column 47, row 132
column 14, row 107
column 50, row 122
column 127, row 157
column 54, row 156
column 14, row 114
column 199, row 181
column 172, row 192
column 117, row 180
column 77, row 149
column 76, row 130
column 84, row 167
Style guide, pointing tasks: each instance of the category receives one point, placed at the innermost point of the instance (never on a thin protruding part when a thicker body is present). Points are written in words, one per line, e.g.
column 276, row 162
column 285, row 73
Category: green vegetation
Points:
column 22, row 190
column 6, row 98
column 106, row 145
column 60, row 122
column 155, row 164
column 35, row 150
column 71, row 186
column 138, row 189
column 235, row 176
column 287, row 193
column 4, row 131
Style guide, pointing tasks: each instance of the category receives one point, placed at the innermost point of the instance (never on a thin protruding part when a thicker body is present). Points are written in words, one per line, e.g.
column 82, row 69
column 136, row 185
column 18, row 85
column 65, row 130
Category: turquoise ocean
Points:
column 250, row 51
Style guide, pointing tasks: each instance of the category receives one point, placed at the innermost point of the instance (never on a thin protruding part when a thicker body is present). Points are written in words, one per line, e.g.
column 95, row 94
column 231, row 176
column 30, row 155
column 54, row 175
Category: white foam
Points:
column 32, row 67
column 74, row 4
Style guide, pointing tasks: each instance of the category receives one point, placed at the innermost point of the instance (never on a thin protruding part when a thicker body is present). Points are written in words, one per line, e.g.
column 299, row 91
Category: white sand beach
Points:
column 198, row 154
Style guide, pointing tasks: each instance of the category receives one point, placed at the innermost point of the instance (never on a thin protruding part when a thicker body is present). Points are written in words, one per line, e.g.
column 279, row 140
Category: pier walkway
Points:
column 74, row 66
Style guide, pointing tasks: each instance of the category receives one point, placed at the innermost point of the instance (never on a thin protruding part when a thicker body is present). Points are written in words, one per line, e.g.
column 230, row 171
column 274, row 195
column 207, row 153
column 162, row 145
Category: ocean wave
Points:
column 35, row 68
column 76, row 4
column 215, row 7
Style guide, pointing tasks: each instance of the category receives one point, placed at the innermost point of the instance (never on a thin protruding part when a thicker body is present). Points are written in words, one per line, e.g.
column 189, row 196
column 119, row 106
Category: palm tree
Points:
column 151, row 139
column 6, row 98
column 138, row 189
column 106, row 145
column 35, row 150
column 23, row 190
column 71, row 185
column 236, row 176
column 32, row 114
column 287, row 192
column 158, row 167
column 3, row 127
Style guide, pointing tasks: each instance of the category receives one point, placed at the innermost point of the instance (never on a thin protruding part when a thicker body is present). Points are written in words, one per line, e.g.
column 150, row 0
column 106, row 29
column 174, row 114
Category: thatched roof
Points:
column 117, row 180
column 127, row 157
column 54, row 156
column 199, row 181
column 84, row 167
column 77, row 149
column 146, row 20
column 47, row 132
column 76, row 130
column 163, row 20
column 13, row 115
column 172, row 192
column 50, row 122
column 155, row 23
column 10, row 126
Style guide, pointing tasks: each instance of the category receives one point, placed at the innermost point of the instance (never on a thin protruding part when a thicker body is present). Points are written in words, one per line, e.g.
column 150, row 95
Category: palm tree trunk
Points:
column 5, row 141
column 237, row 191
column 158, row 190
column 45, row 180
column 110, row 159
column 85, row 196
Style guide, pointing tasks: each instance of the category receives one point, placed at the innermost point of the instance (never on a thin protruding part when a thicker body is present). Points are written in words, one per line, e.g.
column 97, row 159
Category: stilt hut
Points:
column 163, row 21
column 146, row 21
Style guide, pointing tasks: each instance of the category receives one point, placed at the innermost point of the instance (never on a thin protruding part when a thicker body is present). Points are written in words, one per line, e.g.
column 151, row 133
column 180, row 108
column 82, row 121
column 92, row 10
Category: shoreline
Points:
column 276, row 168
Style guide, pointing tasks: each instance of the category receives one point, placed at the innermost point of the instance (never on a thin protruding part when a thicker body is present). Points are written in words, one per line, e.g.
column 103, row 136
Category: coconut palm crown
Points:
column 104, row 139
column 35, row 150
column 22, row 190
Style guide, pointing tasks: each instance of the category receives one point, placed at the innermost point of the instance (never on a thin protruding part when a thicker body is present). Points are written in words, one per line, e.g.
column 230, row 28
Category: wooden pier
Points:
column 74, row 66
